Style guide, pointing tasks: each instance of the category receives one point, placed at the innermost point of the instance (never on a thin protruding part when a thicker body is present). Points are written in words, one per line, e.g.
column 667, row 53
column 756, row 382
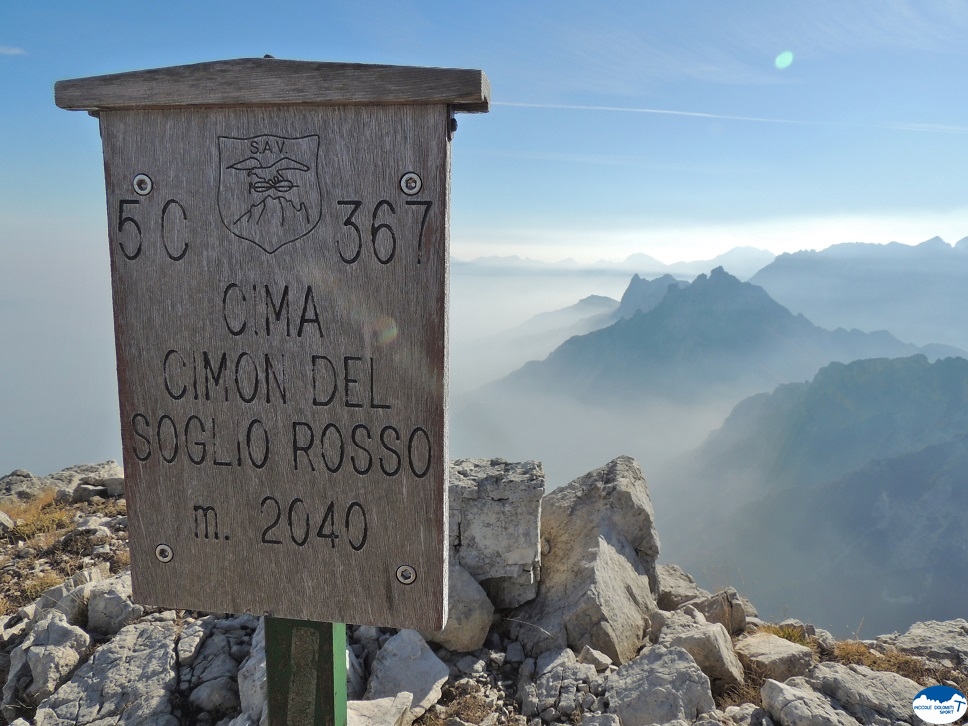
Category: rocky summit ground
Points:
column 560, row 613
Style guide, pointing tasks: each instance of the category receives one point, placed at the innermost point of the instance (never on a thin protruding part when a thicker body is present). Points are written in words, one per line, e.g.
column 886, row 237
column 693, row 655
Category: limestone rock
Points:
column 659, row 686
column 470, row 613
column 710, row 646
column 114, row 486
column 558, row 674
column 495, row 513
column 595, row 658
column 86, row 492
column 389, row 711
column 20, row 484
column 6, row 524
column 110, row 607
column 676, row 587
column 600, row 719
column 869, row 696
column 45, row 660
column 944, row 641
column 796, row 704
column 774, row 657
column 599, row 576
column 74, row 604
column 726, row 607
column 214, row 660
column 192, row 638
column 514, row 653
column 53, row 596
column 748, row 714
column 220, row 695
column 128, row 680
column 252, row 678
column 406, row 663
column 85, row 473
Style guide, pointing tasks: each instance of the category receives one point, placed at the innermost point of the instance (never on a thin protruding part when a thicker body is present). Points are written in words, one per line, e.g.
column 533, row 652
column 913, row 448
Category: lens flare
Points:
column 384, row 330
column 783, row 60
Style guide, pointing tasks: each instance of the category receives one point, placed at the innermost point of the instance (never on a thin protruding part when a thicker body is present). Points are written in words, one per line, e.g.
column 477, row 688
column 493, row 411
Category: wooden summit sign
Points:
column 279, row 257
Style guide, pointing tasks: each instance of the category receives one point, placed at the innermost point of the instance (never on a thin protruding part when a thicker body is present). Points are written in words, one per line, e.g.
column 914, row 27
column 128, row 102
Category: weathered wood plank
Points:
column 274, row 82
column 280, row 301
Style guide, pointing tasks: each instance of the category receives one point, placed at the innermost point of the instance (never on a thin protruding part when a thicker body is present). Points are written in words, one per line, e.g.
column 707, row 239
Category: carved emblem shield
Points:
column 268, row 190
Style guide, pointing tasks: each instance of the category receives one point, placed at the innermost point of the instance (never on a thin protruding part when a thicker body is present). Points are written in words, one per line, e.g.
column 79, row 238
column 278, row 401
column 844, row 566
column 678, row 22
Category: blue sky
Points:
column 659, row 127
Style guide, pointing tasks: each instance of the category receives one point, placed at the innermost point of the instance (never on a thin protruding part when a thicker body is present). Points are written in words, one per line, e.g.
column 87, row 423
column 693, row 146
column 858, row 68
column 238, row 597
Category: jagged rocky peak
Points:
column 643, row 294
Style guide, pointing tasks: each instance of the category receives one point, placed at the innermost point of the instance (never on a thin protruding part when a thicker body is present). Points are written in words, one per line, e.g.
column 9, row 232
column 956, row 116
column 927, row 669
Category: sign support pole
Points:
column 305, row 672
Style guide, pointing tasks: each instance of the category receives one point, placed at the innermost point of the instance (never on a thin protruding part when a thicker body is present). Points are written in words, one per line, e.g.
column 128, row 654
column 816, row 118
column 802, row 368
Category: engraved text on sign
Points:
column 280, row 304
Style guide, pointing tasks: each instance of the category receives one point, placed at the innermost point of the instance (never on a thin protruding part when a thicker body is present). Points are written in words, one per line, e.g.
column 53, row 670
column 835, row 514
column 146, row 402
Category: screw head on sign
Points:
column 164, row 553
column 406, row 575
column 411, row 183
column 142, row 185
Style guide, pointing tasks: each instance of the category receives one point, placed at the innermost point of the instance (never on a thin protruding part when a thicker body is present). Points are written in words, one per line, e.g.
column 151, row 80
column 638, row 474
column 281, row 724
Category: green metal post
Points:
column 305, row 672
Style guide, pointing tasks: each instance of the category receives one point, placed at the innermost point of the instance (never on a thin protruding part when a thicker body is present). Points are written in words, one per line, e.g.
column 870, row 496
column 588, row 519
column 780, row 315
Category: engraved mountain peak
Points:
column 273, row 211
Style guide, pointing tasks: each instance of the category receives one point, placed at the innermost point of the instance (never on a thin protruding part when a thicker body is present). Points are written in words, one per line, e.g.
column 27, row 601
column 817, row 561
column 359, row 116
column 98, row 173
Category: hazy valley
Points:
column 780, row 472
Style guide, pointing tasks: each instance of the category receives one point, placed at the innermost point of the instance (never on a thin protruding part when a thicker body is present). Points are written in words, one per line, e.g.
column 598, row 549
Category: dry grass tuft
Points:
column 794, row 634
column 32, row 589
column 854, row 652
column 463, row 701
column 120, row 560
column 30, row 508
column 111, row 508
column 38, row 516
column 787, row 632
column 749, row 692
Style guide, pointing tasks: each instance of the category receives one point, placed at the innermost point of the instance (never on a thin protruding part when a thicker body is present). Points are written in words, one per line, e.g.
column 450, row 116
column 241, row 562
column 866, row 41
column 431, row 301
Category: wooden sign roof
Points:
column 274, row 82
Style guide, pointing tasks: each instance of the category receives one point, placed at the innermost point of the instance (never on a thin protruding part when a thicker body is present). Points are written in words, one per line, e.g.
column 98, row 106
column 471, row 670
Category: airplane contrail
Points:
column 915, row 127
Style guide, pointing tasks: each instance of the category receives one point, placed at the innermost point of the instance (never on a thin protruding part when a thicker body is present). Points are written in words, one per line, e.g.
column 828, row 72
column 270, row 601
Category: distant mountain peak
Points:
column 643, row 295
column 934, row 243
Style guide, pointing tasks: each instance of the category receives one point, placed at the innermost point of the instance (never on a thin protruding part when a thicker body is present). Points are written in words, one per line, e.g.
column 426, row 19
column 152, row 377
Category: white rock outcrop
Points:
column 109, row 606
column 406, row 664
column 84, row 654
column 676, row 587
column 660, row 686
column 708, row 643
column 598, row 577
column 128, row 680
column 725, row 607
column 44, row 661
column 872, row 697
column 495, row 512
column 469, row 613
column 389, row 711
column 945, row 640
column 796, row 704
column 771, row 656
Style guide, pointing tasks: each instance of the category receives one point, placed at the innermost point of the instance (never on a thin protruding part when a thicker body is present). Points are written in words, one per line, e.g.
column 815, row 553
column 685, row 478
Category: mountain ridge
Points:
column 756, row 340
column 865, row 465
column 915, row 291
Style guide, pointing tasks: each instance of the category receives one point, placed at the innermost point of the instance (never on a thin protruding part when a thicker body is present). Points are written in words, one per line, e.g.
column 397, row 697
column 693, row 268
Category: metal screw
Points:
column 164, row 553
column 142, row 185
column 406, row 575
column 411, row 183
